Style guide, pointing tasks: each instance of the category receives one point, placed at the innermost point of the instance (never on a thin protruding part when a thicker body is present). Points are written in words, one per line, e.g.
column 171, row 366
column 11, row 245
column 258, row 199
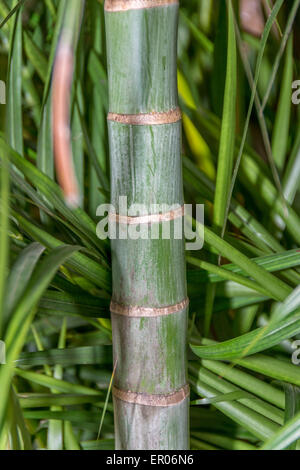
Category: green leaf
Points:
column 11, row 13
column 14, row 124
column 55, row 384
column 92, row 155
column 46, row 400
column 255, row 423
column 102, row 444
column 227, row 137
column 63, row 303
column 38, row 283
column 253, row 171
column 282, row 121
column 80, row 263
column 203, row 40
column 20, row 275
column 20, row 424
column 247, row 381
column 52, row 193
column 224, row 442
column 225, row 274
column 290, row 305
column 276, row 287
column 80, row 417
column 238, row 215
column 292, row 400
column 70, row 440
column 219, row 66
column 254, row 98
column 23, row 315
column 272, row 367
column 286, row 436
column 267, row 197
column 4, row 237
column 35, row 56
column 252, row 342
column 287, row 32
column 66, row 357
column 272, row 263
column 292, row 173
column 231, row 396
column 252, row 402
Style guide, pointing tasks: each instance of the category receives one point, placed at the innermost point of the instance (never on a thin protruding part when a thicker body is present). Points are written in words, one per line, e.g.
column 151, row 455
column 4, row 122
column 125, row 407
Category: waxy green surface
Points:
column 149, row 427
column 141, row 58
column 145, row 164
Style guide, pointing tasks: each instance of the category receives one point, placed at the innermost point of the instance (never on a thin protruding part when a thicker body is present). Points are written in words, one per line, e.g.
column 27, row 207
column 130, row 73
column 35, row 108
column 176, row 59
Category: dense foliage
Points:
column 241, row 158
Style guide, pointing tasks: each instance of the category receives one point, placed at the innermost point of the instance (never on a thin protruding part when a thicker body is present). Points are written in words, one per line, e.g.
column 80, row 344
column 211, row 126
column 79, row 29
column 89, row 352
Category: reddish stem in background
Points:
column 252, row 17
column 61, row 93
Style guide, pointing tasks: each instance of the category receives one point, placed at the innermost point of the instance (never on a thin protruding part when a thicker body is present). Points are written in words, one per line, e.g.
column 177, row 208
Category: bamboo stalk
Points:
column 149, row 303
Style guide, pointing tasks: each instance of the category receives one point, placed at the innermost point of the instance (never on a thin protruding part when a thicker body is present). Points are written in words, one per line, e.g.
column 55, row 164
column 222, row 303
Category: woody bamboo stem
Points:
column 149, row 304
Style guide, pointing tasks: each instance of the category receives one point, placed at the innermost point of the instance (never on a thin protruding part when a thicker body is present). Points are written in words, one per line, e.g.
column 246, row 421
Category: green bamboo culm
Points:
column 149, row 303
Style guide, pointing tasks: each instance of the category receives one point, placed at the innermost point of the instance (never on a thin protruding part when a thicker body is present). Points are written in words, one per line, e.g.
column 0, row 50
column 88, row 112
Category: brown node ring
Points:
column 142, row 312
column 147, row 119
column 124, row 5
column 147, row 219
column 152, row 400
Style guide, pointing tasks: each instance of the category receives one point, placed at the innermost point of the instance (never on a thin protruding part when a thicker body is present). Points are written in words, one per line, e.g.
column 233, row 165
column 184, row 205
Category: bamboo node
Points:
column 147, row 119
column 145, row 399
column 147, row 219
column 125, row 5
column 142, row 312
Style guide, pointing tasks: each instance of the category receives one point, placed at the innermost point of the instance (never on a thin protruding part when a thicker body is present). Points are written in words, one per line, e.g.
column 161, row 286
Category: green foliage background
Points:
column 241, row 158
